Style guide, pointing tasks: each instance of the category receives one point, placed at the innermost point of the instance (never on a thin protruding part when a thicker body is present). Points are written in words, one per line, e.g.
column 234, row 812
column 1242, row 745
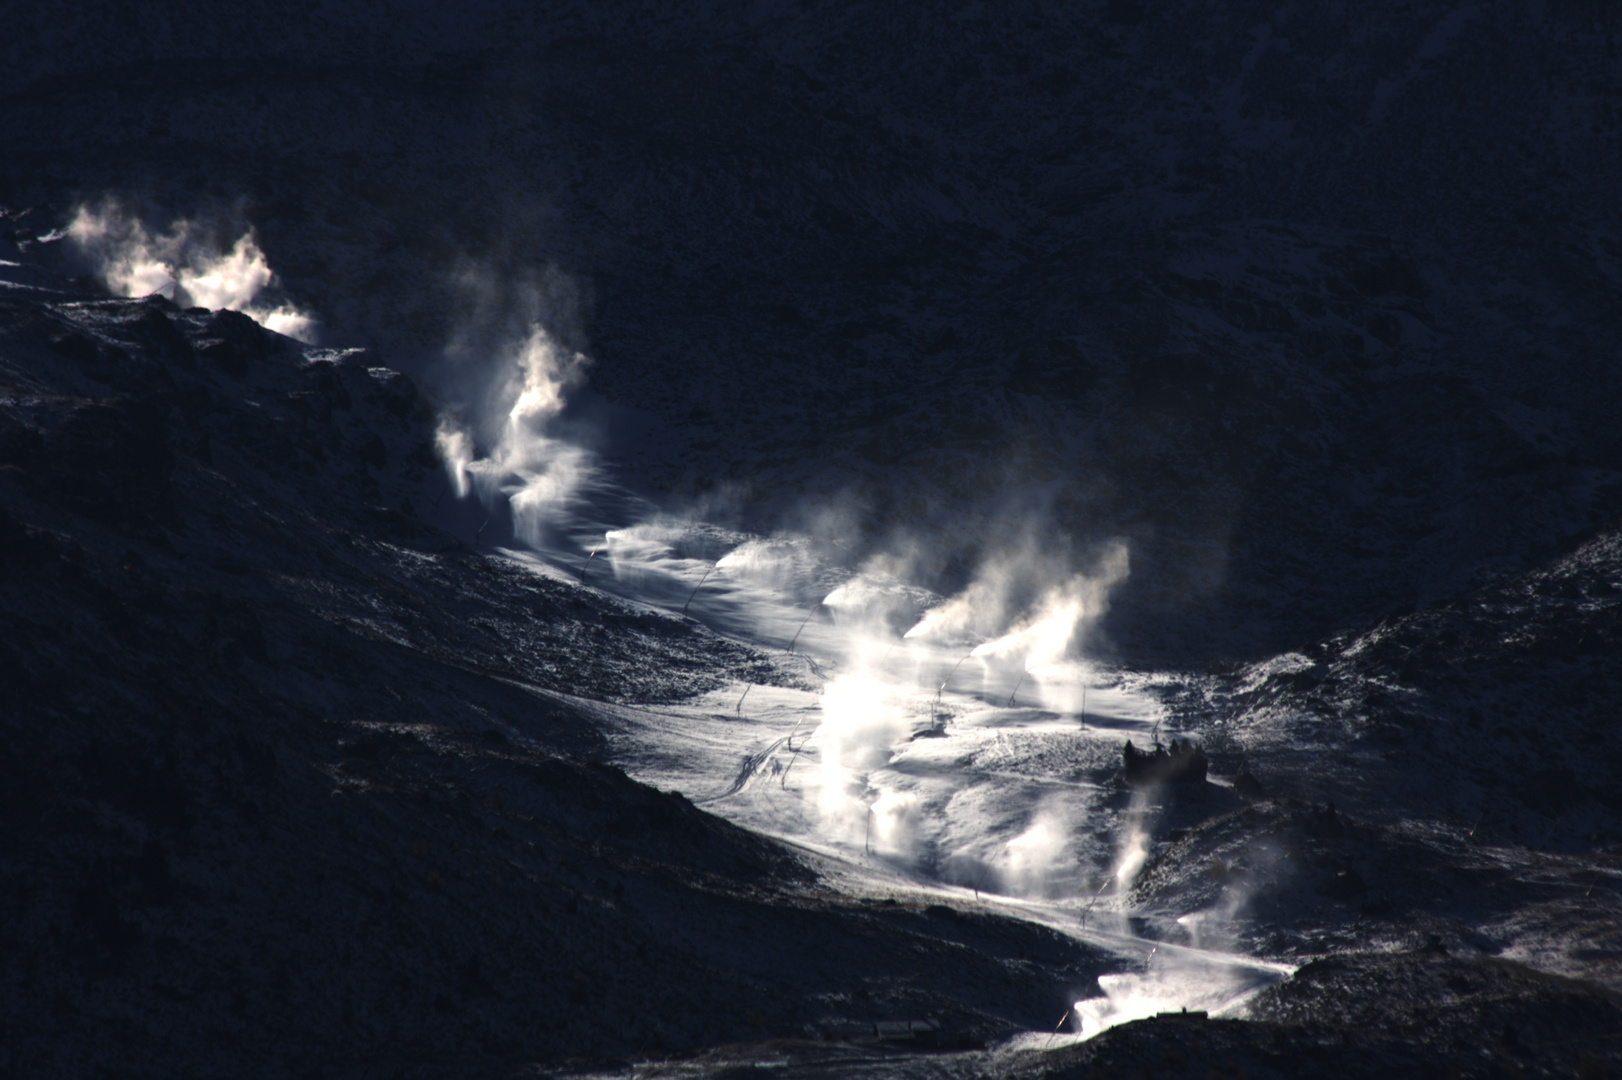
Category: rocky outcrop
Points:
column 1181, row 763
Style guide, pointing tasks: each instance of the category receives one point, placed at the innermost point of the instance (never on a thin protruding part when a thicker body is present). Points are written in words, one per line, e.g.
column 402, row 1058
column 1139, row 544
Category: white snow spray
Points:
column 184, row 265
column 863, row 718
column 1026, row 616
column 1017, row 620
column 1134, row 845
column 1043, row 644
column 1040, row 860
column 1175, row 979
column 514, row 377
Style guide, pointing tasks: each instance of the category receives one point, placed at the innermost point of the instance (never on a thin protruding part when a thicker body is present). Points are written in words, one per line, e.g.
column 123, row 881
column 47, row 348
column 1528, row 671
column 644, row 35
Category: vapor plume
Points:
column 1026, row 615
column 1172, row 980
column 1040, row 861
column 513, row 376
column 863, row 717
column 1028, row 604
column 1134, row 844
column 185, row 266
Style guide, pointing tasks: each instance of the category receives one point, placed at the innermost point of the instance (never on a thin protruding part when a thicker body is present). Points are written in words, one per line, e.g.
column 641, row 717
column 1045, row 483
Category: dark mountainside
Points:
column 1265, row 289
column 1315, row 305
column 290, row 775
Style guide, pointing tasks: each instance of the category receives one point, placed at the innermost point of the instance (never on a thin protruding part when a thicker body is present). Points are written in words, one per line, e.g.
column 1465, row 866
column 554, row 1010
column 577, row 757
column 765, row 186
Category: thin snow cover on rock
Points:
column 183, row 263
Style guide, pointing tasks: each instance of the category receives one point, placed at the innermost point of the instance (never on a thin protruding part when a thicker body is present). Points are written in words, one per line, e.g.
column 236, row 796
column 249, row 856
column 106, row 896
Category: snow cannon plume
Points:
column 530, row 466
column 185, row 265
column 1045, row 602
column 1062, row 612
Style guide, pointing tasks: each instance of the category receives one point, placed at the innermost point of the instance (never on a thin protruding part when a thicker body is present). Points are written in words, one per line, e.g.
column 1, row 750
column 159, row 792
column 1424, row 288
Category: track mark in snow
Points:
column 751, row 764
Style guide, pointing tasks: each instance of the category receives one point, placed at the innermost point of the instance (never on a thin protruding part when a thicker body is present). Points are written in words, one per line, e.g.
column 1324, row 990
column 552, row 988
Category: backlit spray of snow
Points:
column 529, row 467
column 870, row 708
column 184, row 265
column 507, row 375
column 903, row 751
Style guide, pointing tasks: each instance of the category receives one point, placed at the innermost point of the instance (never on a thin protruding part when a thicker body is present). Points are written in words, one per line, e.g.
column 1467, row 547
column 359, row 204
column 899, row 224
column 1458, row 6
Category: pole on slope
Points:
column 794, row 751
column 699, row 586
column 807, row 619
column 942, row 688
column 1093, row 901
column 1017, row 685
column 1057, row 1027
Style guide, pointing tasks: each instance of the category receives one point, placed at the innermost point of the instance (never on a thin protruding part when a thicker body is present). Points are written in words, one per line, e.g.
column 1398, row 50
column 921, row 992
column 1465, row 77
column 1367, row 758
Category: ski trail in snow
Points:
column 918, row 770
column 746, row 771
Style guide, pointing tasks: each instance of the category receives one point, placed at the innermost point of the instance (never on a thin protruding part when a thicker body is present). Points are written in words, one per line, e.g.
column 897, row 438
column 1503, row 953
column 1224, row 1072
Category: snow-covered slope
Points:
column 289, row 769
column 246, row 677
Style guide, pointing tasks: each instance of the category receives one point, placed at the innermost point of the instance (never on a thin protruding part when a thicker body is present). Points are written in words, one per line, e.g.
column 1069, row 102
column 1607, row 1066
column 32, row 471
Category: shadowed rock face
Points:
column 1182, row 763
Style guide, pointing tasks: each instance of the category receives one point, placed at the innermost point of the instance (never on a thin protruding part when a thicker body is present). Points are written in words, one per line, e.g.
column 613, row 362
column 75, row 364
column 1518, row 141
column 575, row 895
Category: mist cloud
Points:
column 863, row 718
column 1026, row 602
column 1039, row 862
column 510, row 377
column 528, row 465
column 184, row 265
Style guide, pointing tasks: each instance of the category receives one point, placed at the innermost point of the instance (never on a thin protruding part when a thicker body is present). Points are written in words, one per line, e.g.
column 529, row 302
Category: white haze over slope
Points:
column 927, row 744
column 528, row 467
column 510, row 380
column 184, row 264
column 950, row 745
